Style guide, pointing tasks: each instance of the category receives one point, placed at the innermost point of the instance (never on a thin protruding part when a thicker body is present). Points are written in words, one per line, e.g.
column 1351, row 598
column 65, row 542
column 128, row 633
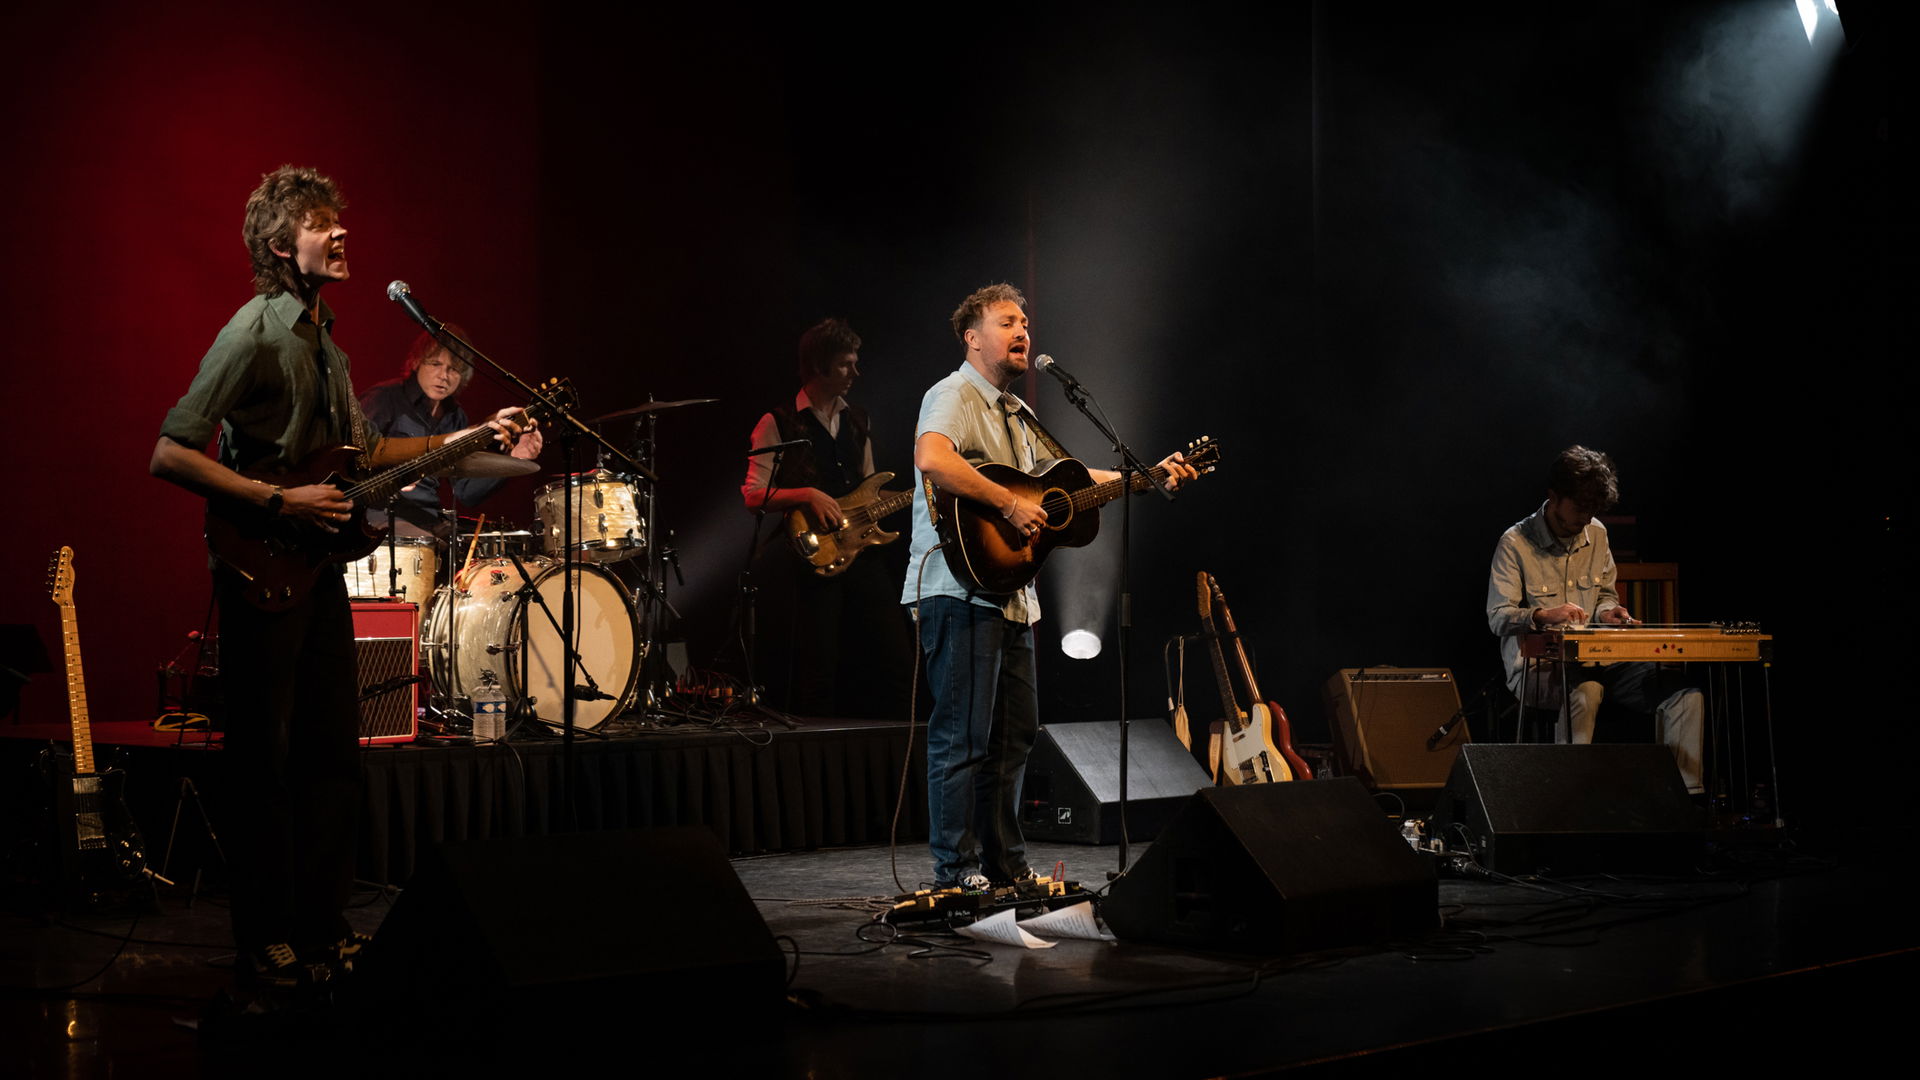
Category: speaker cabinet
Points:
column 1072, row 788
column 1277, row 868
column 386, row 641
column 1524, row 808
column 575, row 928
column 1382, row 718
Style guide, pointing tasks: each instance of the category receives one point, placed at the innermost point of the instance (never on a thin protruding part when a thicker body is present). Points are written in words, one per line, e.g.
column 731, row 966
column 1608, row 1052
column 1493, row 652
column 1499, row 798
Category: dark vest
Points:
column 830, row 464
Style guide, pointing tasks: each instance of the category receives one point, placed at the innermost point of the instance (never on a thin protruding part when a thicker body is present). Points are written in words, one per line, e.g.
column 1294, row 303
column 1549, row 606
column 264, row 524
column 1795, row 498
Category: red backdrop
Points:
column 134, row 141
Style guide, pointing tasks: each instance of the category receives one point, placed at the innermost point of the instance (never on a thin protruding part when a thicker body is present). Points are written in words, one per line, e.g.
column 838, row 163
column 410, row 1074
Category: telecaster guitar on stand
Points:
column 99, row 837
column 863, row 507
column 990, row 555
column 1257, row 746
column 279, row 557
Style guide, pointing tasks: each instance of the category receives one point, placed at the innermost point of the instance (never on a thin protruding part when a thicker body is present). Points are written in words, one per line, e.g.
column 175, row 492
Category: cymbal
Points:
column 651, row 406
column 487, row 466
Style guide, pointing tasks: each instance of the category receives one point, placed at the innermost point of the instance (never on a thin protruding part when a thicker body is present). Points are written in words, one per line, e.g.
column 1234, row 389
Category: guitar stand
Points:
column 189, row 792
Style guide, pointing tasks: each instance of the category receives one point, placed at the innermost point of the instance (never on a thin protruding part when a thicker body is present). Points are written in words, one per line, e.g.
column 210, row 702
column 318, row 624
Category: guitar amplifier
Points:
column 1381, row 720
column 386, row 642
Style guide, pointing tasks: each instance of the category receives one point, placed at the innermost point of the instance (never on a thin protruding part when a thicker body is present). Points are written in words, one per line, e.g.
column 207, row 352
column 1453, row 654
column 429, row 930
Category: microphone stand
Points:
column 750, row 646
column 1130, row 464
column 570, row 427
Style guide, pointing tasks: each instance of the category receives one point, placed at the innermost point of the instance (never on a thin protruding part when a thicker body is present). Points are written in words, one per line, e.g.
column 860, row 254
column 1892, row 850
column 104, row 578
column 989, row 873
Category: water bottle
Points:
column 489, row 708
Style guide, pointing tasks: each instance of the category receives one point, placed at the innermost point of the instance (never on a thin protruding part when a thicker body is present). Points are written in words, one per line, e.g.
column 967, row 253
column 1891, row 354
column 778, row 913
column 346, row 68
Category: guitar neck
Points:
column 76, row 692
column 381, row 488
column 1239, row 648
column 1229, row 700
column 1101, row 494
column 886, row 504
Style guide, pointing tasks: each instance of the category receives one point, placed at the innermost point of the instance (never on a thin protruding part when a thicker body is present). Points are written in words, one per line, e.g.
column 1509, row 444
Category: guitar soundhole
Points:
column 1059, row 508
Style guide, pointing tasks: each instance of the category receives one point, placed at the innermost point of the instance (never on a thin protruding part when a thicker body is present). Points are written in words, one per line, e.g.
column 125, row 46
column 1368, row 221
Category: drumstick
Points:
column 460, row 579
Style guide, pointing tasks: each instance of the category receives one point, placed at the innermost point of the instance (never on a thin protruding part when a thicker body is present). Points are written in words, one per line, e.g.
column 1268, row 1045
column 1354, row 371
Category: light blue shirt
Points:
column 985, row 424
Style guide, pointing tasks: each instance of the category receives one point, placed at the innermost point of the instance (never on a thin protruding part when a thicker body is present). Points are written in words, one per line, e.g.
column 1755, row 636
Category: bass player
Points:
column 809, row 665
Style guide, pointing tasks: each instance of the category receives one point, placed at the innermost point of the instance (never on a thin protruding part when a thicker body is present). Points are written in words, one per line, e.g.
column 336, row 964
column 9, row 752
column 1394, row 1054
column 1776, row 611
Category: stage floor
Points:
column 1768, row 953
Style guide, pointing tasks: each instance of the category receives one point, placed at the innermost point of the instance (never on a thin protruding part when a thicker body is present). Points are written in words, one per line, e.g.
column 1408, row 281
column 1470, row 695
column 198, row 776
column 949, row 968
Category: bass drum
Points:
column 490, row 620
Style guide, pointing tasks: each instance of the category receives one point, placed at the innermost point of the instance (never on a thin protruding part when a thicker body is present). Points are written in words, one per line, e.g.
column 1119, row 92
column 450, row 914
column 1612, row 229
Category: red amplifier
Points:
column 386, row 639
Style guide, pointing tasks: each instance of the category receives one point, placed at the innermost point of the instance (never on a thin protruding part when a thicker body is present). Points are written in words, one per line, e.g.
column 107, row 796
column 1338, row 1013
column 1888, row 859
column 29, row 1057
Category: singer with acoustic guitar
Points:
column 276, row 389
column 979, row 646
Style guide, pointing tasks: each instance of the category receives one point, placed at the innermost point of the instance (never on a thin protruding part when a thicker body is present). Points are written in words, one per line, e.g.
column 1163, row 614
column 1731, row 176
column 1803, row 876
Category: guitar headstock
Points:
column 556, row 396
column 1203, row 593
column 1203, row 454
column 60, row 576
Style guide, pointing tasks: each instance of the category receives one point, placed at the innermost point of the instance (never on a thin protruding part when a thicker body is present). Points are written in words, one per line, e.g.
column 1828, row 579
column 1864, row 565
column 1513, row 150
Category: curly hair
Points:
column 823, row 343
column 974, row 308
column 426, row 345
column 275, row 212
column 1586, row 476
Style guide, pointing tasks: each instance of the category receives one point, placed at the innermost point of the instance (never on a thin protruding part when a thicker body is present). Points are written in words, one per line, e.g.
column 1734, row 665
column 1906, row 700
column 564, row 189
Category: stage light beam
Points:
column 1080, row 644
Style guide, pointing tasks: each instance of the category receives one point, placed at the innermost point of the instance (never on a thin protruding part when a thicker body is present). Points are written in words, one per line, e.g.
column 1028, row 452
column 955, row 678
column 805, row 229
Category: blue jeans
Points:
column 985, row 717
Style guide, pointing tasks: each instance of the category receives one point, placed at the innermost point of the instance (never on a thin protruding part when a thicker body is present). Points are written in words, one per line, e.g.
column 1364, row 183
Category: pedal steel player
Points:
column 810, row 664
column 979, row 647
column 1554, row 568
column 276, row 388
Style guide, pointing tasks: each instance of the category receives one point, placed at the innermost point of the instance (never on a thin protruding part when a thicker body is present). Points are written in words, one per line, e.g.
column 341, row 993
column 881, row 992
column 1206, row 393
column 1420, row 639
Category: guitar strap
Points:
column 1054, row 449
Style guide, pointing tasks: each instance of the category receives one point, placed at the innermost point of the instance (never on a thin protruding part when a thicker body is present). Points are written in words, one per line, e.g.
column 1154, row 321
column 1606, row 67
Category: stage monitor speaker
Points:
column 1277, row 868
column 1072, row 789
column 558, row 930
column 1382, row 718
column 1521, row 808
column 386, row 641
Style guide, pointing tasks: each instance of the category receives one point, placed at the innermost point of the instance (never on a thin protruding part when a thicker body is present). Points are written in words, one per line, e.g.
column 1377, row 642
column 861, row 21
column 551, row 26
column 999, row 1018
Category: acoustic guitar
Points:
column 987, row 554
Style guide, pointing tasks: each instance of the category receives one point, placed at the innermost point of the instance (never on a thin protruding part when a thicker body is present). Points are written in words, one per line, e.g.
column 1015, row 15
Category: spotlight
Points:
column 1080, row 644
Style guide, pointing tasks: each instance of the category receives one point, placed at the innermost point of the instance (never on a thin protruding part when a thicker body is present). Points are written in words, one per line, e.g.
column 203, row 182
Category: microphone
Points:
column 1446, row 729
column 400, row 294
column 1044, row 362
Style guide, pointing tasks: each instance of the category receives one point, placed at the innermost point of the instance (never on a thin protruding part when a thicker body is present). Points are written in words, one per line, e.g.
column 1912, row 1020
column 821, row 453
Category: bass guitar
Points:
column 989, row 555
column 279, row 557
column 1257, row 746
column 98, row 834
column 863, row 507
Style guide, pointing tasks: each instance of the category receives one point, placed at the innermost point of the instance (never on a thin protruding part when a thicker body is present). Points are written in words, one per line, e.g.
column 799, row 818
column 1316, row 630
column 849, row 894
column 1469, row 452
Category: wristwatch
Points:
column 276, row 500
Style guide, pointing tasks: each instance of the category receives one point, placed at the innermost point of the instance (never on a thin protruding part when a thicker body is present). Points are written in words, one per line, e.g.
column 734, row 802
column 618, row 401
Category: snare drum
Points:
column 490, row 622
column 417, row 558
column 500, row 543
column 606, row 524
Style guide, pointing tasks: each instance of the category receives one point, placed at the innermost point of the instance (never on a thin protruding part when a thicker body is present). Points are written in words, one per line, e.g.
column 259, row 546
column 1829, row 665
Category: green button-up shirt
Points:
column 275, row 386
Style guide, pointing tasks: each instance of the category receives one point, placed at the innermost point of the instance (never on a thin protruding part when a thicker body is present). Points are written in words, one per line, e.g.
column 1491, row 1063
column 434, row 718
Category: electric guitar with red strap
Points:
column 279, row 557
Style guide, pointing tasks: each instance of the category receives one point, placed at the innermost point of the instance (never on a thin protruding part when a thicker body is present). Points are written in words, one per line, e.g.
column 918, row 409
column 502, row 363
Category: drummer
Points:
column 425, row 400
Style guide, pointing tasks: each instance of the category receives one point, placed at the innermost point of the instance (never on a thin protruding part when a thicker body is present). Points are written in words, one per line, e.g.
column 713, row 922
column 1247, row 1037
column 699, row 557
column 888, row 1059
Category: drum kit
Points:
column 498, row 614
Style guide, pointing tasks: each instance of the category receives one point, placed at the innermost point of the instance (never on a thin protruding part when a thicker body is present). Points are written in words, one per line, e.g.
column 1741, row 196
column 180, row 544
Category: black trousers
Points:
column 291, row 687
column 839, row 646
